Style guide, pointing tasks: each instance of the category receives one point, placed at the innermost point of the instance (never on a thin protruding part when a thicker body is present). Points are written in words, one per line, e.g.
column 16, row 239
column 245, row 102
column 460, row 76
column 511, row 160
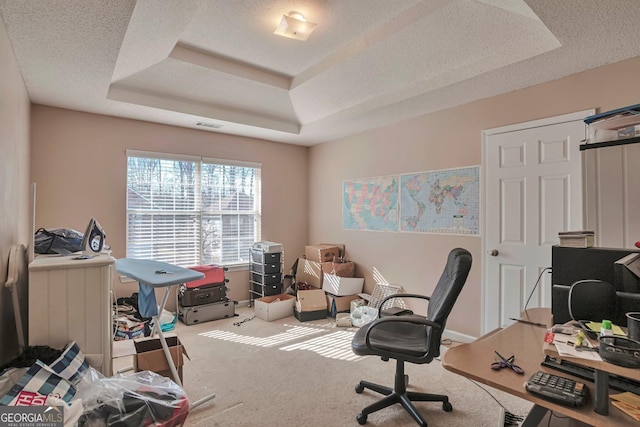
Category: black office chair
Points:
column 412, row 338
column 592, row 300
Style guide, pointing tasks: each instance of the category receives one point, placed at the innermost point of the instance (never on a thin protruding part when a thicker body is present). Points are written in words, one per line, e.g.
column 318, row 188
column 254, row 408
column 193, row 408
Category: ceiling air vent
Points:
column 208, row 125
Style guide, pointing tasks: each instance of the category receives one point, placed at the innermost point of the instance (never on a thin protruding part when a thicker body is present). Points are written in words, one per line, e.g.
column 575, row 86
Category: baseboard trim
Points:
column 452, row 335
column 457, row 336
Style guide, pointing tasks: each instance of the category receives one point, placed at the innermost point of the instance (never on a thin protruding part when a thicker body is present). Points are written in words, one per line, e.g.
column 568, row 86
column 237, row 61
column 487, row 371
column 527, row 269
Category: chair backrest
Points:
column 593, row 300
column 449, row 286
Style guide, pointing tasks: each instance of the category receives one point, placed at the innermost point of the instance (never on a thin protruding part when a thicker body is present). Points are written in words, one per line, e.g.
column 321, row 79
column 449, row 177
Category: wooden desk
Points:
column 473, row 360
column 602, row 370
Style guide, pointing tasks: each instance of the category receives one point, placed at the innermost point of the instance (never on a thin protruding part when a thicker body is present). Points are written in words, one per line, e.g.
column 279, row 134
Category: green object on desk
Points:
column 595, row 327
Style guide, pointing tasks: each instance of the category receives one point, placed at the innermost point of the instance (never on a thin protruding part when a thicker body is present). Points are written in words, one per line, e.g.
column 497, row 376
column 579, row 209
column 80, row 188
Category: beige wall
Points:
column 15, row 217
column 78, row 163
column 446, row 139
column 79, row 166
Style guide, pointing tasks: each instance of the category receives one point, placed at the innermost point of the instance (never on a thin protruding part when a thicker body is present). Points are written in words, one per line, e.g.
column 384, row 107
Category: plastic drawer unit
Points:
column 265, row 270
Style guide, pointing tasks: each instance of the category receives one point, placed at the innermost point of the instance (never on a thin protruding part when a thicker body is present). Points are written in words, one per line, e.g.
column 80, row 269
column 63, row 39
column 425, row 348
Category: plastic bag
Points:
column 141, row 399
column 63, row 377
column 62, row 241
column 73, row 367
column 363, row 315
column 33, row 388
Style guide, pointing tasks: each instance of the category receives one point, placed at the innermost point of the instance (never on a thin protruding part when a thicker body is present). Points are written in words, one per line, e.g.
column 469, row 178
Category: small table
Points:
column 156, row 274
column 525, row 342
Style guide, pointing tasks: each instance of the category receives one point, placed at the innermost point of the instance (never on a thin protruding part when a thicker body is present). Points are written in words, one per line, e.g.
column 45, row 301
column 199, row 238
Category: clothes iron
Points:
column 93, row 240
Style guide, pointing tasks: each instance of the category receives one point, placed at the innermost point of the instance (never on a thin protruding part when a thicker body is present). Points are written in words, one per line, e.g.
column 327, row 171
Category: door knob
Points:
column 493, row 252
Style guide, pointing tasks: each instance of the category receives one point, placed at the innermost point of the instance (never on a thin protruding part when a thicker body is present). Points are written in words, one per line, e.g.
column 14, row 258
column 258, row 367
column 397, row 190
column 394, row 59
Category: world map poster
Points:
column 443, row 201
column 370, row 204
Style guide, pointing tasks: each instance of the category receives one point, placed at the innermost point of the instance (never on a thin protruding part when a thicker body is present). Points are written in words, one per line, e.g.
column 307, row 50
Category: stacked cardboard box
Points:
column 310, row 305
column 322, row 253
column 324, row 285
column 326, row 268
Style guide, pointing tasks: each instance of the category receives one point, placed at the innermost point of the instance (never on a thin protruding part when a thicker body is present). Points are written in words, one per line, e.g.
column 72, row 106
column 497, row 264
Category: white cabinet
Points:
column 70, row 300
column 611, row 198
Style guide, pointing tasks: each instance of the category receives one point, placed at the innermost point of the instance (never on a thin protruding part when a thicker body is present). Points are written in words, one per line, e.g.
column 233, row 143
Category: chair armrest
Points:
column 385, row 299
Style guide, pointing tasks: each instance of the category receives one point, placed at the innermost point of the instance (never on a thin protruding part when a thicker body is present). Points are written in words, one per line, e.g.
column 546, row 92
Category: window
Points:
column 191, row 211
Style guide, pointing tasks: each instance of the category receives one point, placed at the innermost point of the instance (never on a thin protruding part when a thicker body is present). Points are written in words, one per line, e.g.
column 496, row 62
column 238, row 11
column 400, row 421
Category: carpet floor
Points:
column 291, row 373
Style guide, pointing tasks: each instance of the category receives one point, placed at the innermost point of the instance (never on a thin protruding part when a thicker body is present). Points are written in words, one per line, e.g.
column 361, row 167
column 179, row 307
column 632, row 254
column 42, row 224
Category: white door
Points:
column 533, row 189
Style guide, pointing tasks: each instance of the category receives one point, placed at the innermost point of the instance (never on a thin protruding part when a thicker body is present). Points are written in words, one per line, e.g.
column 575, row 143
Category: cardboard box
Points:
column 321, row 253
column 342, row 269
column 337, row 304
column 309, row 272
column 340, row 246
column 310, row 305
column 274, row 307
column 341, row 286
column 150, row 356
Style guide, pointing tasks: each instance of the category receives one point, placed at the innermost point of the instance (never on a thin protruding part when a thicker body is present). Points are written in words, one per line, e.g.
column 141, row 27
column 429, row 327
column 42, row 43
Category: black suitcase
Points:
column 207, row 294
column 206, row 312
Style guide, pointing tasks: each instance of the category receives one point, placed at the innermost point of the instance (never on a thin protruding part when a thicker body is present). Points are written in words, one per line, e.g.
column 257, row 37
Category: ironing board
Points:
column 156, row 274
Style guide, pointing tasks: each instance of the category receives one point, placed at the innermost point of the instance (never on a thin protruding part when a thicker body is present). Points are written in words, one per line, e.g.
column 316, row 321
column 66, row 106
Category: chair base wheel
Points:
column 359, row 388
column 447, row 407
column 362, row 419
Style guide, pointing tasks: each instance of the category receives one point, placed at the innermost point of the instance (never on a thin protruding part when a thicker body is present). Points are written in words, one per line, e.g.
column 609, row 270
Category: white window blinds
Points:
column 191, row 211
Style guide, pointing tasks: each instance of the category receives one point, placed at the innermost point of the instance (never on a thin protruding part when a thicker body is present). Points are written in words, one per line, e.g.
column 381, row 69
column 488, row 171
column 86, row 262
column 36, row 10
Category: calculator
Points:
column 564, row 391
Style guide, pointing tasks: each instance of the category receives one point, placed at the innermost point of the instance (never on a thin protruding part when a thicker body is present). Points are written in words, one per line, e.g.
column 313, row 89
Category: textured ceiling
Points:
column 369, row 63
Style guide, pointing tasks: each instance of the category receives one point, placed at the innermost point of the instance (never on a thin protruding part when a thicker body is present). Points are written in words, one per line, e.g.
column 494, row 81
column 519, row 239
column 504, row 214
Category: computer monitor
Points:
column 572, row 264
column 627, row 273
column 618, row 266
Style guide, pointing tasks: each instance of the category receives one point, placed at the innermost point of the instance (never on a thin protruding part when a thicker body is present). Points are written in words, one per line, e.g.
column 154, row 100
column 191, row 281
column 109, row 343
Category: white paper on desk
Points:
column 565, row 349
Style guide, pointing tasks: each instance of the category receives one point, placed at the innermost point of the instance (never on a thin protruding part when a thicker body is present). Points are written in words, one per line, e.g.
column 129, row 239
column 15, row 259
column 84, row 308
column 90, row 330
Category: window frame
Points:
column 200, row 211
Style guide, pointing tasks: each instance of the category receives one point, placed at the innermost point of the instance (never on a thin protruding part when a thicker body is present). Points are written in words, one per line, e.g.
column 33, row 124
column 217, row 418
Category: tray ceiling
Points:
column 369, row 63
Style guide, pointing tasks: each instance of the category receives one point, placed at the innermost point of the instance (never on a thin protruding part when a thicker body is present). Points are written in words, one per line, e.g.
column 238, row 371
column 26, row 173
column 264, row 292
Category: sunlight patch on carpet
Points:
column 333, row 346
column 292, row 334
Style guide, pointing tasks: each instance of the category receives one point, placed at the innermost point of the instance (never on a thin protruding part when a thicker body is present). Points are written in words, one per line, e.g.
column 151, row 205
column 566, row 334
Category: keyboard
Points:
column 555, row 388
column 616, row 382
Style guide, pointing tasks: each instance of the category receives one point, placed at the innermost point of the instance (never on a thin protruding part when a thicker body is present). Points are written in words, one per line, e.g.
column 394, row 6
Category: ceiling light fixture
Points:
column 294, row 26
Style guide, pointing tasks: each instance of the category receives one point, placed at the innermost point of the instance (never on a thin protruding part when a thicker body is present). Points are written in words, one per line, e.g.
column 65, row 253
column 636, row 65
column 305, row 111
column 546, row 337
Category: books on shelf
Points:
column 577, row 239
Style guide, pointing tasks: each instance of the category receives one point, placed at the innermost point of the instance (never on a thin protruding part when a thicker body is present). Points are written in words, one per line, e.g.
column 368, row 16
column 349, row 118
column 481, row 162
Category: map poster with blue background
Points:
column 442, row 201
column 370, row 204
